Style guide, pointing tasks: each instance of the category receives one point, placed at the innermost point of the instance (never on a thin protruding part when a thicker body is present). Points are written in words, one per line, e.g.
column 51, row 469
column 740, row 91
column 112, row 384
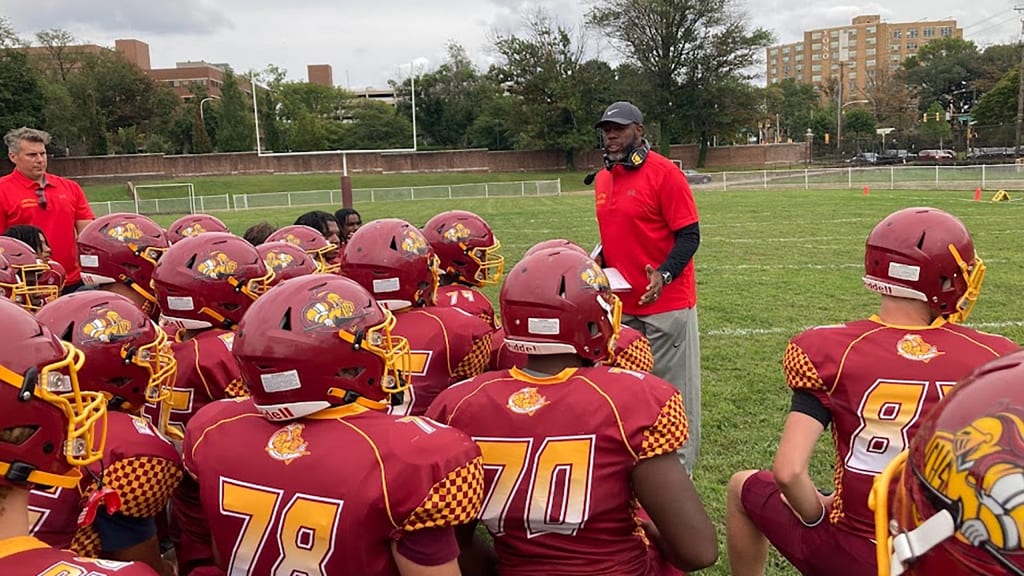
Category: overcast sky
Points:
column 368, row 43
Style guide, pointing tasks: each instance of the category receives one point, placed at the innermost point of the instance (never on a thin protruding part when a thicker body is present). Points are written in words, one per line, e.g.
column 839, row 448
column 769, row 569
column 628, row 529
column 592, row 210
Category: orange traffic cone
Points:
column 865, row 190
column 977, row 194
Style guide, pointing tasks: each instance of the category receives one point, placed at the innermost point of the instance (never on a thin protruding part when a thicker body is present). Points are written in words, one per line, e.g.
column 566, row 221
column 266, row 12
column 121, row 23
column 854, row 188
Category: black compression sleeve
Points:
column 806, row 403
column 687, row 241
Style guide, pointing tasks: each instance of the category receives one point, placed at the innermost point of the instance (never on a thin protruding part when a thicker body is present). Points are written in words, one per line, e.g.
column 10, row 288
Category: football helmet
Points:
column 319, row 341
column 555, row 243
column 958, row 488
column 466, row 247
column 558, row 301
column 209, row 280
column 128, row 358
column 48, row 425
column 33, row 293
column 191, row 225
column 122, row 248
column 313, row 243
column 925, row 254
column 11, row 284
column 286, row 260
column 393, row 260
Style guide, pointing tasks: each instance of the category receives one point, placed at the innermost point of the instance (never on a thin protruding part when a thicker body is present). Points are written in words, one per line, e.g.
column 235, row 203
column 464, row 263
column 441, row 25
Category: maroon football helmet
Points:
column 48, row 425
column 555, row 243
column 319, row 341
column 312, row 242
column 558, row 301
column 209, row 280
column 128, row 358
column 393, row 260
column 286, row 260
column 466, row 247
column 34, row 294
column 958, row 487
column 122, row 248
column 925, row 254
column 193, row 225
column 11, row 283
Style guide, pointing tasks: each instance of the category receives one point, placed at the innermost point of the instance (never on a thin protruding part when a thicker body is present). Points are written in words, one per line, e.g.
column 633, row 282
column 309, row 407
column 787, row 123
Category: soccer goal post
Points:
column 173, row 198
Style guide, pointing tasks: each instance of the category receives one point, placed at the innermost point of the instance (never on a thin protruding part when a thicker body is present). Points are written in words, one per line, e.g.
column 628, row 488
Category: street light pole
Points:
column 202, row 117
column 839, row 123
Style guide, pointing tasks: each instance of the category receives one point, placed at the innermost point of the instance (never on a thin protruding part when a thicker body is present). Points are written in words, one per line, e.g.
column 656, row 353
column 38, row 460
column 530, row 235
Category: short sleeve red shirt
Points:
column 638, row 212
column 66, row 204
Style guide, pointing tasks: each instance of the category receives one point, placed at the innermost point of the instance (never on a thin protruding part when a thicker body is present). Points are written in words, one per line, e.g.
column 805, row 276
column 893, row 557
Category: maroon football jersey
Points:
column 141, row 465
column 468, row 299
column 878, row 381
column 447, row 344
column 333, row 490
column 27, row 556
column 206, row 372
column 558, row 457
column 632, row 352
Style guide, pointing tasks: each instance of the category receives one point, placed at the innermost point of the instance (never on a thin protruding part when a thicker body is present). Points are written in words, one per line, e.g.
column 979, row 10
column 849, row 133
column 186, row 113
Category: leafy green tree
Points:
column 373, row 126
column 994, row 63
column 21, row 96
column 944, row 71
column 494, row 127
column 859, row 125
column 560, row 94
column 236, row 130
column 793, row 102
column 201, row 143
column 682, row 47
column 999, row 105
column 62, row 54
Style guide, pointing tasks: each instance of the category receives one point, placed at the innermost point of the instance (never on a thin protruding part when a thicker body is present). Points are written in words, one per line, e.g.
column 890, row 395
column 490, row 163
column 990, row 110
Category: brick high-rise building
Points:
column 321, row 74
column 853, row 55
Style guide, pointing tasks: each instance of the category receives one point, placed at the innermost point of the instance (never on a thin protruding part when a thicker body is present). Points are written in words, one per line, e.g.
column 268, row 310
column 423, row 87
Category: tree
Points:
column 63, row 55
column 447, row 99
column 559, row 93
column 682, row 46
column 8, row 37
column 944, row 71
column 494, row 127
column 373, row 126
column 999, row 105
column 21, row 96
column 201, row 143
column 892, row 102
column 859, row 124
column 236, row 130
column 794, row 103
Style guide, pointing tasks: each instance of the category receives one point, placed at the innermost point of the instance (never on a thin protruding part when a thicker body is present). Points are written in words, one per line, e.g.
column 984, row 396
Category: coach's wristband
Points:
column 816, row 522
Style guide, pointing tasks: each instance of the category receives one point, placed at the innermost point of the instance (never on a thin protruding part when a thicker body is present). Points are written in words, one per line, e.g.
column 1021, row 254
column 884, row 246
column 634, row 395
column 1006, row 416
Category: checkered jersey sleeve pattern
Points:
column 801, row 374
column 476, row 361
column 236, row 389
column 636, row 357
column 668, row 432
column 455, row 500
column 145, row 484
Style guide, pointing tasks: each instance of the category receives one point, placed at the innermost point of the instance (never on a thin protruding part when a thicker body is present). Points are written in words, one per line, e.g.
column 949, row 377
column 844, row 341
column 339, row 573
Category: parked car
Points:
column 694, row 177
column 873, row 159
column 936, row 155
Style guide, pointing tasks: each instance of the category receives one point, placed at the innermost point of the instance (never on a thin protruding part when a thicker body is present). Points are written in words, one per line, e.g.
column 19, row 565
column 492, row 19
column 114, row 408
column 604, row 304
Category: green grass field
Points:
column 771, row 263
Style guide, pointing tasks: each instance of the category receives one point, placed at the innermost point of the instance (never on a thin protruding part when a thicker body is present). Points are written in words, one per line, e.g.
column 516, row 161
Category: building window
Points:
column 785, row 58
column 911, row 46
column 774, row 71
column 929, row 33
column 785, row 70
column 815, row 56
column 799, row 69
column 834, row 44
column 852, row 74
column 945, row 31
column 816, row 46
column 869, row 52
column 799, row 47
column 912, row 33
column 799, row 57
column 834, row 33
column 897, row 33
column 894, row 58
column 815, row 35
column 870, row 63
column 894, row 47
column 870, row 40
column 870, row 29
column 816, row 68
column 772, row 53
column 816, row 78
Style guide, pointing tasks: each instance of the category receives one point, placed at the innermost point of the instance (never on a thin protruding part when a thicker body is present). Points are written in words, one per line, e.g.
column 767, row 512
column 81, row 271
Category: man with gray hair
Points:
column 57, row 206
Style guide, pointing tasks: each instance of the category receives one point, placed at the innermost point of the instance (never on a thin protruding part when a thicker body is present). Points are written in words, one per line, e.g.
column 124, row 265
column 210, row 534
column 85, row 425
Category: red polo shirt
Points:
column 65, row 204
column 638, row 212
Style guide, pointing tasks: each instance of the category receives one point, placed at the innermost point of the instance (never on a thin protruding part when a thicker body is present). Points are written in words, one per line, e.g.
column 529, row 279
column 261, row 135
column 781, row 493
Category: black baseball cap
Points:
column 621, row 113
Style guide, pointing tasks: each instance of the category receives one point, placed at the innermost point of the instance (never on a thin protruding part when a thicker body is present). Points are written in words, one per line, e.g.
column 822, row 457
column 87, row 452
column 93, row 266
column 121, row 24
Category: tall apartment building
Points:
column 854, row 55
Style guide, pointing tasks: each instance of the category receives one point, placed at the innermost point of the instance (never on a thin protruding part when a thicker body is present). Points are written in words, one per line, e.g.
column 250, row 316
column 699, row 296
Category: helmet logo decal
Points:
column 973, row 469
column 106, row 326
column 292, row 239
column 278, row 260
column 456, row 233
column 192, row 230
column 328, row 310
column 594, row 277
column 414, row 243
column 287, row 444
column 913, row 347
column 527, row 401
column 125, row 232
column 218, row 266
column 904, row 272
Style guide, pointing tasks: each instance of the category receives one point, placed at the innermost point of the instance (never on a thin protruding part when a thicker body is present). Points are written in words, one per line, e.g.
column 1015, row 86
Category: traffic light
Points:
column 826, row 137
column 937, row 116
column 924, row 117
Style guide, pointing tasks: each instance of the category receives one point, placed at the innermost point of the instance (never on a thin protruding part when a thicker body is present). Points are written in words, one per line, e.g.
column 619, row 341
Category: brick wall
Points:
column 159, row 166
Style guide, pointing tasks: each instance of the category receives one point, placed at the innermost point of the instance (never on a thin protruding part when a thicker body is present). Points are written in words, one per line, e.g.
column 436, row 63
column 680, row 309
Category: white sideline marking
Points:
column 795, row 330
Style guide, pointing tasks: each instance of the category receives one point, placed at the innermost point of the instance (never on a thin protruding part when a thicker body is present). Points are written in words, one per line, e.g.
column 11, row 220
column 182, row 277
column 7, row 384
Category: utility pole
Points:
column 1020, row 88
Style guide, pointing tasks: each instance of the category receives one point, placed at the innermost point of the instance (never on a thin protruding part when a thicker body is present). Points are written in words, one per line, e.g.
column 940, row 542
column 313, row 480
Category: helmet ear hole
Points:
column 594, row 329
column 191, row 262
column 286, row 320
column 561, row 288
column 920, row 241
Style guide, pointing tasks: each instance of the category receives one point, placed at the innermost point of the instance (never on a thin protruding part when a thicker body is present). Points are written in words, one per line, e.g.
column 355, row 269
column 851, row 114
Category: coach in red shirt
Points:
column 649, row 232
column 28, row 195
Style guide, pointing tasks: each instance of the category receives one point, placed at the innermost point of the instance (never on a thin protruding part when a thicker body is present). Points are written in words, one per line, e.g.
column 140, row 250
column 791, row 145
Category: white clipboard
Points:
column 617, row 280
